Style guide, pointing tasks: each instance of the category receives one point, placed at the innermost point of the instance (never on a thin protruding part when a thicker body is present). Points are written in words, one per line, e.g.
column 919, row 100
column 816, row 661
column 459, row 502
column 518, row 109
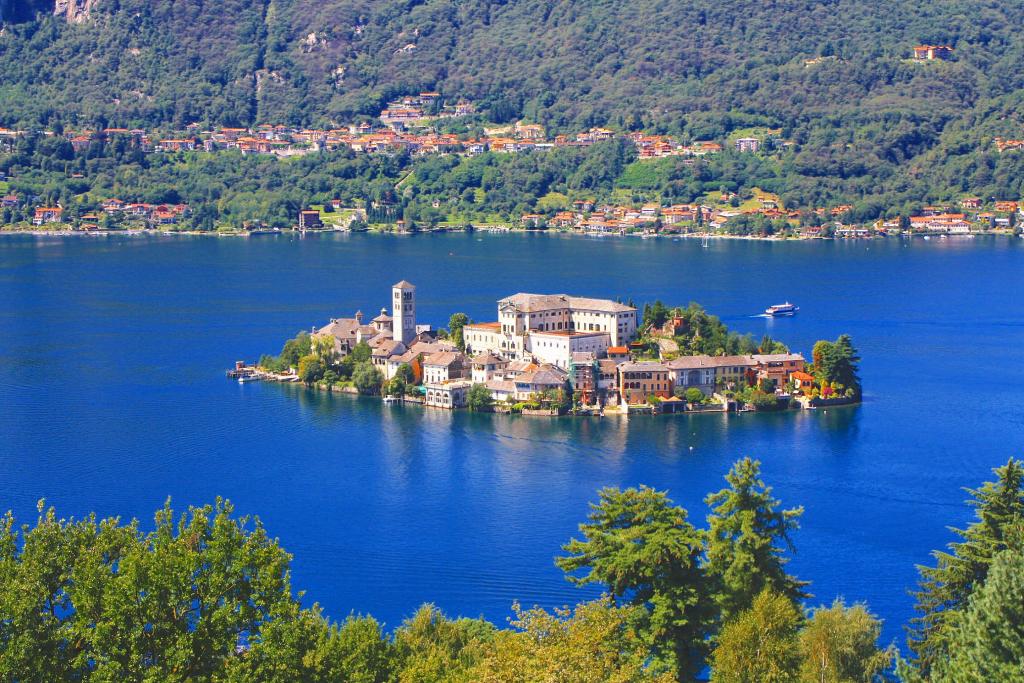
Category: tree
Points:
column 430, row 647
column 404, row 371
column 478, row 398
column 455, row 324
column 303, row 645
column 988, row 642
column 839, row 644
column 747, row 536
column 323, row 346
column 694, row 395
column 310, row 369
column 946, row 587
column 643, row 549
column 360, row 353
column 761, row 644
column 98, row 598
column 595, row 643
column 367, row 378
column 838, row 362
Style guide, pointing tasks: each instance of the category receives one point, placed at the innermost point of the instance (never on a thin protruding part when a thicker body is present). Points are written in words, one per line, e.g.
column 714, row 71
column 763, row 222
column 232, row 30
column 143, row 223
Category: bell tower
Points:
column 403, row 311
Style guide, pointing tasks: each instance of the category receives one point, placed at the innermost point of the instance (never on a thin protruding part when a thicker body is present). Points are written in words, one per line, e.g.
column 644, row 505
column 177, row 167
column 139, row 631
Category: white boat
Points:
column 391, row 399
column 781, row 309
column 248, row 378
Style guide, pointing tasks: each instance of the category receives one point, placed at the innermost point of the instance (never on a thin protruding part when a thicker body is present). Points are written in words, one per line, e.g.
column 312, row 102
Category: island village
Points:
column 552, row 354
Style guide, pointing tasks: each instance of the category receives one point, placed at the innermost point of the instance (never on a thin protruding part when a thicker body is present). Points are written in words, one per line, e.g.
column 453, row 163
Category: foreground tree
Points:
column 94, row 598
column 595, row 643
column 761, row 644
column 839, row 644
column 946, row 587
column 988, row 643
column 748, row 533
column 641, row 546
column 429, row 647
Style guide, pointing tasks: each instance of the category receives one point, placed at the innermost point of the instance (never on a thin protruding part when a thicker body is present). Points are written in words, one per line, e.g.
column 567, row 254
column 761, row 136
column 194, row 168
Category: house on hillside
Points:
column 47, row 214
column 927, row 53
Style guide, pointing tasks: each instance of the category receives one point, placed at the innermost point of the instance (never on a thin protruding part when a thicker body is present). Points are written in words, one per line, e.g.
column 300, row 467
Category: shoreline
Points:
column 627, row 411
column 495, row 230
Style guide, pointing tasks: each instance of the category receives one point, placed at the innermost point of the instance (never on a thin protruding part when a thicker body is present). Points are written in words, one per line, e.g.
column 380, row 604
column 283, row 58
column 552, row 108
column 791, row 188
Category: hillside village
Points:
column 407, row 127
column 549, row 354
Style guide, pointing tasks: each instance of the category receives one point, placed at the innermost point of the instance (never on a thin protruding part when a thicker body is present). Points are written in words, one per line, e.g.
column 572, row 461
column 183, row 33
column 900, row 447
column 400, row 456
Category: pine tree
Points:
column 946, row 587
column 747, row 536
column 988, row 643
column 643, row 549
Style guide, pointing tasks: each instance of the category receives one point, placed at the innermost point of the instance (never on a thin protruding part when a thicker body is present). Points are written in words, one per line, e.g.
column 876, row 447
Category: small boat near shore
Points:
column 780, row 310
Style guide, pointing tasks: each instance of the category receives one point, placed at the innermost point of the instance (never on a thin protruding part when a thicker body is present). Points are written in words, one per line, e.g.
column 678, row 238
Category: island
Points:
column 556, row 354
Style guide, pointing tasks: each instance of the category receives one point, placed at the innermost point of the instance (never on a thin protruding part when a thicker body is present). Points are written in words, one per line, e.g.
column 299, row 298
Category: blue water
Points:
column 112, row 398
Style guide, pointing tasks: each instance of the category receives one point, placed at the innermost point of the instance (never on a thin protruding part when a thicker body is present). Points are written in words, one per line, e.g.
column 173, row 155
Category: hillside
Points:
column 862, row 118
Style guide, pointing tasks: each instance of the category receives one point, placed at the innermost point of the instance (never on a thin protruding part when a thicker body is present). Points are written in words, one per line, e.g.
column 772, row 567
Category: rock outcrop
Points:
column 75, row 11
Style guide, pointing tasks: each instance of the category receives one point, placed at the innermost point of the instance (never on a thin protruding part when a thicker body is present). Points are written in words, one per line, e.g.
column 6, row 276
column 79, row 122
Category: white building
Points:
column 448, row 395
column 551, row 327
column 486, row 366
column 442, row 367
column 556, row 348
column 403, row 311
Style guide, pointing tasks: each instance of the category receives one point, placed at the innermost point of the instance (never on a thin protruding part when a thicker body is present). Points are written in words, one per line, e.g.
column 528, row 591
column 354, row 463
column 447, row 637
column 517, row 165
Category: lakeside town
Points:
column 420, row 126
column 555, row 354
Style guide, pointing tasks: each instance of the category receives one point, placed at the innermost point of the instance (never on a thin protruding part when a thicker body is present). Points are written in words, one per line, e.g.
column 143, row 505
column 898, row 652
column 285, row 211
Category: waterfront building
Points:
column 403, row 307
column 449, row 394
column 583, row 374
column 693, row 372
column 637, row 381
column 778, row 366
column 539, row 380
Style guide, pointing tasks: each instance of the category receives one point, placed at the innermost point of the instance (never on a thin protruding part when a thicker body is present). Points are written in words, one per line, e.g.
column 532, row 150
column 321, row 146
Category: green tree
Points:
column 988, row 642
column 748, row 533
column 761, row 645
column 839, row 644
column 430, row 648
column 300, row 645
column 478, row 398
column 294, row 349
column 311, row 370
column 367, row 378
column 94, row 598
column 643, row 549
column 694, row 395
column 946, row 587
column 456, row 322
column 595, row 643
column 838, row 362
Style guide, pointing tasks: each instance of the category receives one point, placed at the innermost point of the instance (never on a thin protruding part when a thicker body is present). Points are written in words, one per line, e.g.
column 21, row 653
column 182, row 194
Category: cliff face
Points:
column 75, row 11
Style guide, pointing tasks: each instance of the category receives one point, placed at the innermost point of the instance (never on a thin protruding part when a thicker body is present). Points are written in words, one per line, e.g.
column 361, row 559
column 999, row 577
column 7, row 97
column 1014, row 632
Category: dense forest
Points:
column 206, row 596
column 864, row 123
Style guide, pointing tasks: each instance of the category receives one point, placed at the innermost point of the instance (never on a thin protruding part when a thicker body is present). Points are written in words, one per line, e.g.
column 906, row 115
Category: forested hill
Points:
column 836, row 78
column 695, row 66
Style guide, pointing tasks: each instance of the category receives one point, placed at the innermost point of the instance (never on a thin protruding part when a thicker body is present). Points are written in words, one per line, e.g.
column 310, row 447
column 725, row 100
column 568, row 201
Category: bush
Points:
column 694, row 395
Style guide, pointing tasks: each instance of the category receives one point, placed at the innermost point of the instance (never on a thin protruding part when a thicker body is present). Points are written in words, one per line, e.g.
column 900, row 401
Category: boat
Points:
column 248, row 378
column 391, row 399
column 781, row 309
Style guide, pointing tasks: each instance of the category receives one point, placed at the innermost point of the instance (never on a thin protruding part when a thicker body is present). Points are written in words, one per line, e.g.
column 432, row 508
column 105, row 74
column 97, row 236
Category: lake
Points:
column 113, row 398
